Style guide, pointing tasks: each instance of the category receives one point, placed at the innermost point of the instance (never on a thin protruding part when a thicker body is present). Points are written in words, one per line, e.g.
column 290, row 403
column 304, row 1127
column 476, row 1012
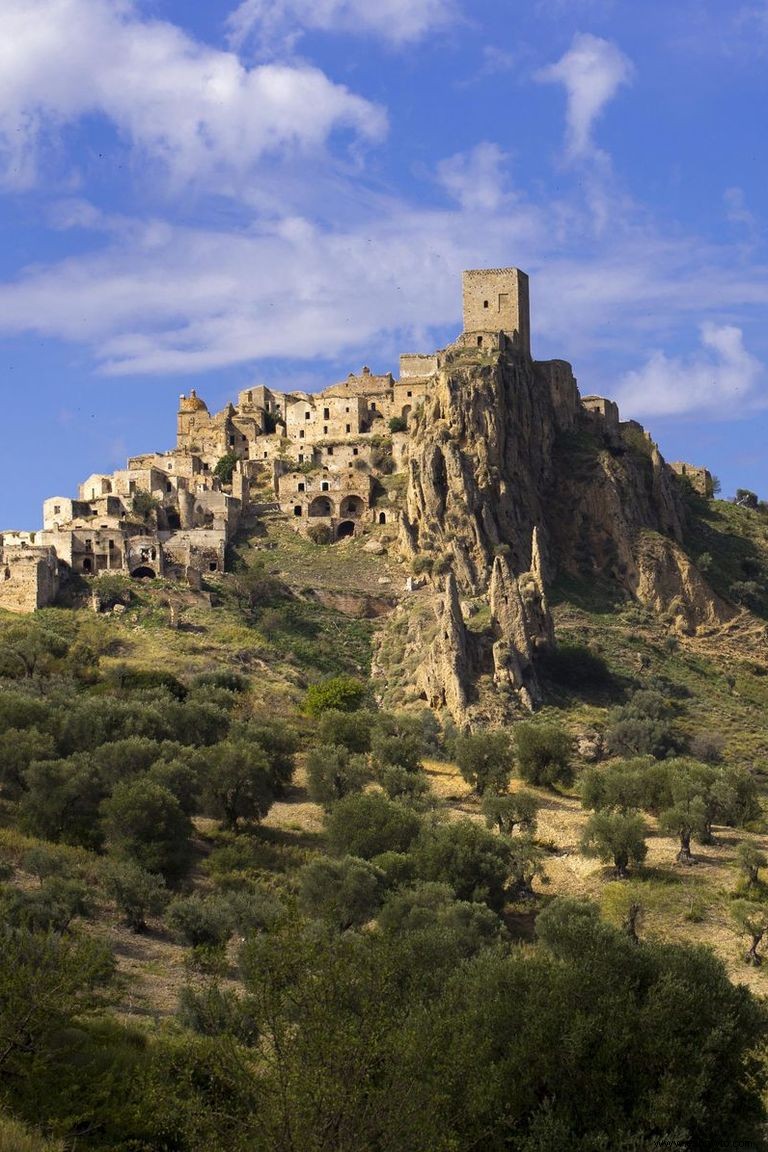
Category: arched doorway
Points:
column 321, row 506
column 352, row 506
column 144, row 572
column 382, row 517
column 345, row 529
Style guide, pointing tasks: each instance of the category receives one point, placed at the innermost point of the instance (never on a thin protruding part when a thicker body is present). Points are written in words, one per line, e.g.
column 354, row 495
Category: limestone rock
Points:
column 443, row 673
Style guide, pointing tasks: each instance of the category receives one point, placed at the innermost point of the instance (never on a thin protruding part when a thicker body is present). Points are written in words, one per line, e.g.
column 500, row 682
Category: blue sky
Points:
column 281, row 191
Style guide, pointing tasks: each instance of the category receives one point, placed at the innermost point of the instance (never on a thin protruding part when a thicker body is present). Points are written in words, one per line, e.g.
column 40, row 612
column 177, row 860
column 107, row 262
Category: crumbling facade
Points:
column 319, row 459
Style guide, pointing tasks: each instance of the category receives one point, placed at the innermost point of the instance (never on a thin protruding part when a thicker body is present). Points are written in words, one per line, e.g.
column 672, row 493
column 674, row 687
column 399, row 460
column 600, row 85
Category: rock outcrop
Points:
column 511, row 483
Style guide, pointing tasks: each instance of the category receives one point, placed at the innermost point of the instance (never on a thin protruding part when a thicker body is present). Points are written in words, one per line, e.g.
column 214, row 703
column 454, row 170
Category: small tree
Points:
column 526, row 862
column 136, row 892
column 225, row 467
column 402, row 784
column 346, row 892
column 350, row 729
column 238, row 786
column 506, row 813
column 332, row 774
column 368, row 823
column 685, row 818
column 475, row 862
column 752, row 919
column 146, row 823
column 617, row 837
column 485, row 761
column 543, row 754
column 201, row 921
column 750, row 860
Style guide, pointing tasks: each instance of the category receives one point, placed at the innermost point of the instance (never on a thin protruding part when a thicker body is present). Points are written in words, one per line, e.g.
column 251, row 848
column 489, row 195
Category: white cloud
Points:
column 475, row 179
column 395, row 21
column 721, row 380
column 196, row 110
column 160, row 299
column 591, row 71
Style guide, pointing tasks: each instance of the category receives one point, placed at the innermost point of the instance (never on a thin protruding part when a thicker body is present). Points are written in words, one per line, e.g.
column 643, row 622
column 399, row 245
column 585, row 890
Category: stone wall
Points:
column 700, row 479
column 29, row 578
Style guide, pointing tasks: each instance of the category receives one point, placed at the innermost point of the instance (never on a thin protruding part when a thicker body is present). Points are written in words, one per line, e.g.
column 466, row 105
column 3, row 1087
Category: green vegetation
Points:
column 245, row 906
column 225, row 467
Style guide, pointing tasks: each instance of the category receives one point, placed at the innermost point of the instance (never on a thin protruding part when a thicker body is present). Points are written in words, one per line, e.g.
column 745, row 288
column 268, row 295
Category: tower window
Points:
column 485, row 303
column 327, row 413
column 306, row 415
column 479, row 341
column 301, row 487
column 349, row 427
column 301, row 433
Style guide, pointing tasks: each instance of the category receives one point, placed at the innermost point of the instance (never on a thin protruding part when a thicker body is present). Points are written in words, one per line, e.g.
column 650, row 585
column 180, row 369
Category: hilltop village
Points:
column 318, row 459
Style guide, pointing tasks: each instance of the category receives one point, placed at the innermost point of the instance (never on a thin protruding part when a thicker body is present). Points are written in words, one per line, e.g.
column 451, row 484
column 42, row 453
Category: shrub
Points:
column 136, row 892
column 339, row 694
column 411, row 787
column 345, row 892
column 639, row 736
column 50, row 908
column 201, row 921
column 368, row 824
column 229, row 681
column 113, row 588
column 543, row 754
column 332, row 774
column 146, row 823
column 350, row 729
column 144, row 504
column 398, row 424
column 472, row 860
column 319, row 534
column 225, row 467
column 422, row 563
column 433, row 905
column 216, row 1011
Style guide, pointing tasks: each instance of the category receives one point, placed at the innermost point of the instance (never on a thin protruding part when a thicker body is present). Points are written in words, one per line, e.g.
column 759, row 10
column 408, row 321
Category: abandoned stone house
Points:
column 320, row 457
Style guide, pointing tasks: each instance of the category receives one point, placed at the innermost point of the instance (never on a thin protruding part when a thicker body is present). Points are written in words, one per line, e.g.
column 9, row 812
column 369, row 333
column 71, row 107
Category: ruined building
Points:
column 317, row 458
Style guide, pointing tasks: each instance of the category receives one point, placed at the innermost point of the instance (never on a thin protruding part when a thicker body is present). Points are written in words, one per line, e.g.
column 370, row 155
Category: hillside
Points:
column 336, row 779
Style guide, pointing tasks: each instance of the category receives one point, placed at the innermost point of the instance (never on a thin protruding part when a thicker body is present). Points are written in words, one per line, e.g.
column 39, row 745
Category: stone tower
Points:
column 496, row 300
column 189, row 417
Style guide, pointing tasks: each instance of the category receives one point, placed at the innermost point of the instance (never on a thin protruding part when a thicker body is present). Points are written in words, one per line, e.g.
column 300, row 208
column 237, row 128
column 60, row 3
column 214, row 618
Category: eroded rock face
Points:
column 510, row 483
column 455, row 658
column 443, row 675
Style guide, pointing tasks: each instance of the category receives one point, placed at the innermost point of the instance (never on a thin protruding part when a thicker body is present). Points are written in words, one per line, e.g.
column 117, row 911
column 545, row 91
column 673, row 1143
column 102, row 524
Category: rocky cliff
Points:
column 512, row 483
